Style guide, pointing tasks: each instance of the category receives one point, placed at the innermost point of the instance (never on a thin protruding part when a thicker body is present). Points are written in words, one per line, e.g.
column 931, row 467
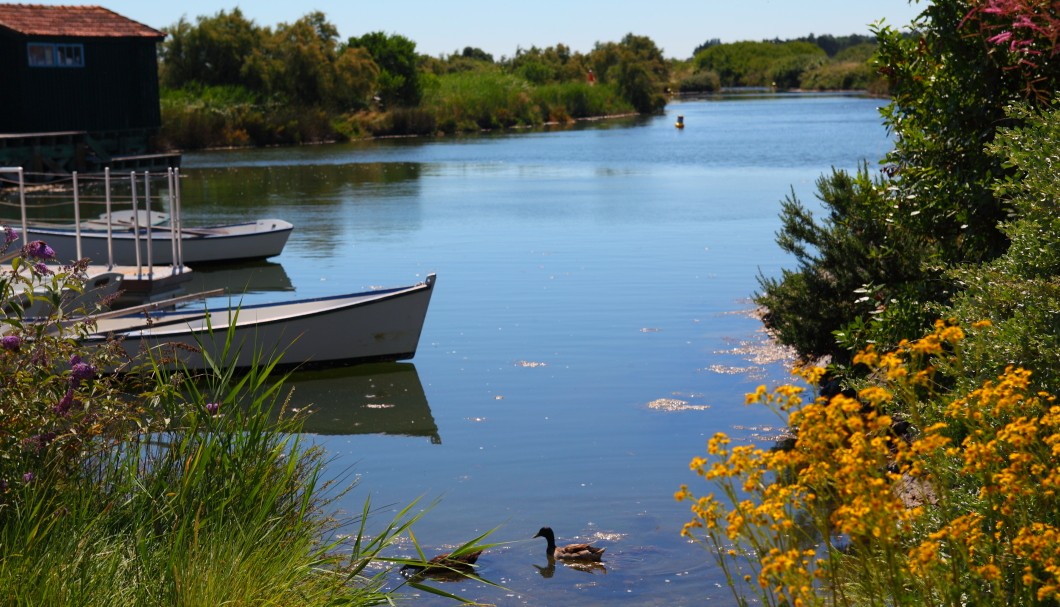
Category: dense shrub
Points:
column 950, row 84
column 838, row 76
column 854, row 267
column 700, row 82
column 1019, row 292
column 759, row 63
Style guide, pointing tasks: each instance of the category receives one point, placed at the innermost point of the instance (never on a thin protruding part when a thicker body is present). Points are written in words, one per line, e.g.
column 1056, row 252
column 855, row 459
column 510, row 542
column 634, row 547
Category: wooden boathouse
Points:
column 80, row 90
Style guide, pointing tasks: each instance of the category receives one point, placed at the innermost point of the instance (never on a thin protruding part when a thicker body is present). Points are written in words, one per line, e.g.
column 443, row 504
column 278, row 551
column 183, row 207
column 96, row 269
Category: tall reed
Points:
column 159, row 487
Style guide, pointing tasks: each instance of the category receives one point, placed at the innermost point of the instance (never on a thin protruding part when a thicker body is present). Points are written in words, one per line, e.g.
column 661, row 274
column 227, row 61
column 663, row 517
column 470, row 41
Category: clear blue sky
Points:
column 500, row 28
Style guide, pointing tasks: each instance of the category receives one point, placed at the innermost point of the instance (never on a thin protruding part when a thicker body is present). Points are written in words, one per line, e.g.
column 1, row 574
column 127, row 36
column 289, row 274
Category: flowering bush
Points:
column 1029, row 32
column 56, row 412
column 132, row 488
column 895, row 495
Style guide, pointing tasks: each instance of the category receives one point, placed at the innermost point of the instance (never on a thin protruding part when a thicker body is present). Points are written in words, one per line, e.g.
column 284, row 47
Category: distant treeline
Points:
column 227, row 81
column 811, row 62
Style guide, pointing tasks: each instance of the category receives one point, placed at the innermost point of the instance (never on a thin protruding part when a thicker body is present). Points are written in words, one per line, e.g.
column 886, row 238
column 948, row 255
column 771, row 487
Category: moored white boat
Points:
column 144, row 237
column 211, row 244
column 383, row 325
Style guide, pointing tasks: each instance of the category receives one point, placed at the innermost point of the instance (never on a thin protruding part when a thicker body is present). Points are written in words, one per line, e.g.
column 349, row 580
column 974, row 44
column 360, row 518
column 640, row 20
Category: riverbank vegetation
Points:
column 925, row 305
column 227, row 81
column 810, row 63
column 155, row 487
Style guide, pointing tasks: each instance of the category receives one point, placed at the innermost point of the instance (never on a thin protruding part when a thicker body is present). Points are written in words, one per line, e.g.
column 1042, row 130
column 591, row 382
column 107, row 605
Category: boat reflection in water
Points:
column 381, row 398
column 236, row 279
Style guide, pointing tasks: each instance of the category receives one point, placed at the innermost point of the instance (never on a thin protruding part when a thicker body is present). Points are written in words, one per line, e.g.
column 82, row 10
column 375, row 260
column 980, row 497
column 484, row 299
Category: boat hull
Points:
column 363, row 327
column 215, row 244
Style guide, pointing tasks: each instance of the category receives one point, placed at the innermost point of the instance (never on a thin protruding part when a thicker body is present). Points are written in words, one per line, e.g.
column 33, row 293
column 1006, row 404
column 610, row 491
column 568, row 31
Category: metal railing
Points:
column 55, row 195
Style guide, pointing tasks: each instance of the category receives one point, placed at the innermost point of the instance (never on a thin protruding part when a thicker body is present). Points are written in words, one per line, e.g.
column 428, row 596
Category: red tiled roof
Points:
column 76, row 21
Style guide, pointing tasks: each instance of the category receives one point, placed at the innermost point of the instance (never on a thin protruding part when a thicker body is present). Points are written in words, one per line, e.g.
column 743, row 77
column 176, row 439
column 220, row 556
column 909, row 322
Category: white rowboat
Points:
column 383, row 325
column 211, row 244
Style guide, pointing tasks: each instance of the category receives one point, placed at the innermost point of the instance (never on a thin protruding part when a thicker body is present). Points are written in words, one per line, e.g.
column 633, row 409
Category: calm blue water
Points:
column 583, row 276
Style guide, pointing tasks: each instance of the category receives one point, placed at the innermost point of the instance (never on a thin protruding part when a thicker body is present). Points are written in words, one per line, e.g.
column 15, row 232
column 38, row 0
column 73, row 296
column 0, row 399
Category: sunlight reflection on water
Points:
column 590, row 330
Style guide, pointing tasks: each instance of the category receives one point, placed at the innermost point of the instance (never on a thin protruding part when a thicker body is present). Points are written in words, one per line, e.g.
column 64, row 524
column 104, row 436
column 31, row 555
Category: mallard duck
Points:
column 446, row 563
column 570, row 552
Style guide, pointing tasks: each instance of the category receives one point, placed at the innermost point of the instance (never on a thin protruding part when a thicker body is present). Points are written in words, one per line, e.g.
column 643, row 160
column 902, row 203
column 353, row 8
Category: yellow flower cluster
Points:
column 962, row 502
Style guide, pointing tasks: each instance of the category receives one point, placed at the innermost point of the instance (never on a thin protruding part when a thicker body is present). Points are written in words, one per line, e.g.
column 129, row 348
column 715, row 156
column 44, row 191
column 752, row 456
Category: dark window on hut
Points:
column 46, row 54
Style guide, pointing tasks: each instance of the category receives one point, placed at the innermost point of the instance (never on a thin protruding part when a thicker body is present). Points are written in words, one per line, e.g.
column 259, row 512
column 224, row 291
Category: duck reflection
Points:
column 382, row 398
column 588, row 567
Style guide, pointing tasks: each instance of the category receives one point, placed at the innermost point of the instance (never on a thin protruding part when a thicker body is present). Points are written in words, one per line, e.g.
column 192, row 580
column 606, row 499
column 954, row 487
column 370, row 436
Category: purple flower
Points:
column 28, row 477
column 213, row 408
column 38, row 442
column 39, row 250
column 10, row 235
column 41, row 268
column 11, row 342
column 80, row 370
column 64, row 404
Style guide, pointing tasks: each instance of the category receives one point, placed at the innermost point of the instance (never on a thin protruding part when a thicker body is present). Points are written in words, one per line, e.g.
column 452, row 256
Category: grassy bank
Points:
column 162, row 488
column 461, row 102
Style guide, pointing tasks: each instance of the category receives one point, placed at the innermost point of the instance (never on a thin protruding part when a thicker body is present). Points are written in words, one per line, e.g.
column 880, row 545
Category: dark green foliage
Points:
column 853, row 266
column 205, row 117
column 950, row 86
column 232, row 83
column 399, row 77
column 838, row 76
column 700, row 82
column 812, row 63
column 451, row 64
column 757, row 63
column 1019, row 292
column 477, row 54
column 549, row 65
column 706, row 45
column 860, row 53
column 636, row 67
column 412, row 121
column 834, row 46
column 787, row 72
column 304, row 52
column 635, row 82
column 949, row 92
column 212, row 52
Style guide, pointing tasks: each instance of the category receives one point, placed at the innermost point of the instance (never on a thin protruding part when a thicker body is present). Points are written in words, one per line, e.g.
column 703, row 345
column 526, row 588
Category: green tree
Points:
column 950, row 86
column 637, row 67
column 949, row 92
column 399, row 75
column 549, row 65
column 355, row 79
column 306, row 50
column 212, row 52
column 477, row 54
